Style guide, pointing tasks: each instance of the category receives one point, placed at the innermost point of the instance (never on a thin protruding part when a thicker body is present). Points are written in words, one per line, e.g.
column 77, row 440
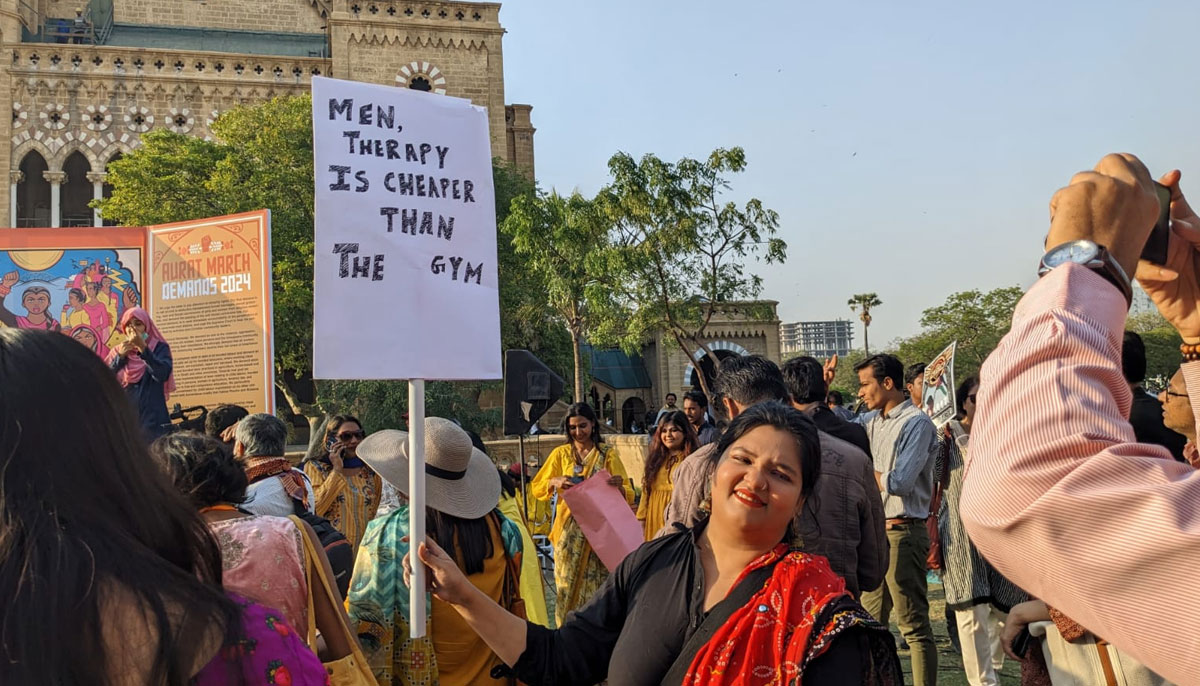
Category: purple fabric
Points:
column 270, row 653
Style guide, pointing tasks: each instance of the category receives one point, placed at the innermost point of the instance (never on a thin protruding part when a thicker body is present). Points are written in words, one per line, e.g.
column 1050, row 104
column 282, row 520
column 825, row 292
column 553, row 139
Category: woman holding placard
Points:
column 726, row 602
column 578, row 572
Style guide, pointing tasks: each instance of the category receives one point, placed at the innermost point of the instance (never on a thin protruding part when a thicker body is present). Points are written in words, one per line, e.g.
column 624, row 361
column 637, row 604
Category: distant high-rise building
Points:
column 819, row 339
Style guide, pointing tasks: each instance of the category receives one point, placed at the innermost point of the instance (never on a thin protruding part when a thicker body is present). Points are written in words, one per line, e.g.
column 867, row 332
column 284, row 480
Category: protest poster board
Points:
column 937, row 398
column 212, row 300
column 600, row 510
column 406, row 284
column 80, row 281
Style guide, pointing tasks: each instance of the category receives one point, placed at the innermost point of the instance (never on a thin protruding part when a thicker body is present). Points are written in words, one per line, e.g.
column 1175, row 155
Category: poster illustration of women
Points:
column 937, row 399
column 80, row 285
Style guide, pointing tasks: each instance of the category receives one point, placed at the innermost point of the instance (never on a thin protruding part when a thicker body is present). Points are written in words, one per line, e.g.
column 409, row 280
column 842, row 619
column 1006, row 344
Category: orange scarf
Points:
column 793, row 620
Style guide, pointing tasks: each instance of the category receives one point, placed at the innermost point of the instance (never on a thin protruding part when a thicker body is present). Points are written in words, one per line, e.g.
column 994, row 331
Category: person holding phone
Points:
column 1061, row 498
column 145, row 368
column 578, row 572
column 347, row 490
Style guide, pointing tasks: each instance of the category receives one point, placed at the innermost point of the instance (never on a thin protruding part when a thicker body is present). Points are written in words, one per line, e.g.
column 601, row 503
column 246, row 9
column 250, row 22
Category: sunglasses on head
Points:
column 347, row 435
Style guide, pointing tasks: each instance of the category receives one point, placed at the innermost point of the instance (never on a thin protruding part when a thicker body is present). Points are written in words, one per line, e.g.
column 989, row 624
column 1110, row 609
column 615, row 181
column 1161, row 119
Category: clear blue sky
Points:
column 910, row 149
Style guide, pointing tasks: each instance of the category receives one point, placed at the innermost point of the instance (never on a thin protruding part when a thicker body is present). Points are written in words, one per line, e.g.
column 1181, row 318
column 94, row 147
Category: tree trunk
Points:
column 699, row 372
column 311, row 412
column 575, row 351
column 866, row 340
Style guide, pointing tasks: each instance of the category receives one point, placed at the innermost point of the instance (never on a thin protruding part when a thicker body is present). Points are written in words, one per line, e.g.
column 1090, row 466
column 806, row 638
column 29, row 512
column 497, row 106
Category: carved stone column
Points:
column 14, row 179
column 56, row 179
column 97, row 179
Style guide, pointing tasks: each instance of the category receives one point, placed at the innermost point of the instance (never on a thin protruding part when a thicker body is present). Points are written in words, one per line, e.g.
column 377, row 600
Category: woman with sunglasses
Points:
column 347, row 490
column 977, row 594
column 578, row 572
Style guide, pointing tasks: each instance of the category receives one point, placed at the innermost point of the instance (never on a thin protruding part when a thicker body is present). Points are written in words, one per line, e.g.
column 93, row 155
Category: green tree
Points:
column 678, row 249
column 262, row 158
column 975, row 319
column 864, row 302
column 1162, row 343
column 560, row 237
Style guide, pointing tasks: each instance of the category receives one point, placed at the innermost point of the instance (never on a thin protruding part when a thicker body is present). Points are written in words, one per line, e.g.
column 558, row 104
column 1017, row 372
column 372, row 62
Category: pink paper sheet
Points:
column 605, row 518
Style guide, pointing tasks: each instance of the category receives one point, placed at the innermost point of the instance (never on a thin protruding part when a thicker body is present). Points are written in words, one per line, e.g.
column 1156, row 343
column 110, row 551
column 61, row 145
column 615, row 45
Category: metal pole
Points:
column 416, row 504
column 524, row 498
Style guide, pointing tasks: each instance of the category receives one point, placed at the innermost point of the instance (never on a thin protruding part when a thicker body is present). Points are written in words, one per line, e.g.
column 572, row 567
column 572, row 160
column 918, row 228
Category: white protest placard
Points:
column 406, row 283
column 937, row 395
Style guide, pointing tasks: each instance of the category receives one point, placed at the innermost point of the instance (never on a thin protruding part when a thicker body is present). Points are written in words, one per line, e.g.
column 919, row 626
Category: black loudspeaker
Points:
column 530, row 388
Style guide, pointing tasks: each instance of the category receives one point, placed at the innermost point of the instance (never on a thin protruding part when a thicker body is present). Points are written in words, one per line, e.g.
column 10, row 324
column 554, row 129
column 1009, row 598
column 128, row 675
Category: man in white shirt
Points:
column 275, row 486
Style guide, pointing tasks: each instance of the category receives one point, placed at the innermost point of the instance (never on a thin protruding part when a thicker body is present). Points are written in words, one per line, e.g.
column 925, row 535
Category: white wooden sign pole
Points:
column 416, row 504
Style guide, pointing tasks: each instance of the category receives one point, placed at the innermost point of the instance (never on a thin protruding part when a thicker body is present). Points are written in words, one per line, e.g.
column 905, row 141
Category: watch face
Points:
column 1079, row 252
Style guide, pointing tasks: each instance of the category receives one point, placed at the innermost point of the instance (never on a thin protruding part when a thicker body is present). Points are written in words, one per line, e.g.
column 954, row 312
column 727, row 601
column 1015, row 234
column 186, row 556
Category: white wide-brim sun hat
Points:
column 459, row 479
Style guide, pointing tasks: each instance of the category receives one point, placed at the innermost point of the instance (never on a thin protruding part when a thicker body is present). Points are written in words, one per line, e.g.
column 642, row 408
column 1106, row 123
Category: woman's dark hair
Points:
column 834, row 397
column 784, row 418
column 467, row 541
column 78, row 293
column 202, row 468
column 658, row 456
column 223, row 417
column 960, row 396
column 331, row 428
column 88, row 522
column 1133, row 357
column 582, row 410
column 508, row 485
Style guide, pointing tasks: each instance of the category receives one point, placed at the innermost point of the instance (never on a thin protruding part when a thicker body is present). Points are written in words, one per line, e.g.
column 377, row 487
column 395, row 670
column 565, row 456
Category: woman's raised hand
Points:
column 445, row 580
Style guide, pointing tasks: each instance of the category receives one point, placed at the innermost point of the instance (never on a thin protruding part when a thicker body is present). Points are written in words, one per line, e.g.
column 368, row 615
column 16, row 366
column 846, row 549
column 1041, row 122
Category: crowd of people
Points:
column 783, row 531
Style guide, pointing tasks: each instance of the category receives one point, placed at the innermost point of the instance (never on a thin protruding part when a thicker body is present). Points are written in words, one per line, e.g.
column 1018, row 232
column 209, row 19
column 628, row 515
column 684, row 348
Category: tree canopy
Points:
column 262, row 158
column 678, row 248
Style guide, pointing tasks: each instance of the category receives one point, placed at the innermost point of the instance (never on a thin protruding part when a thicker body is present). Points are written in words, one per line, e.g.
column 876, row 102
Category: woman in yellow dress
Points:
column 674, row 440
column 578, row 572
column 347, row 490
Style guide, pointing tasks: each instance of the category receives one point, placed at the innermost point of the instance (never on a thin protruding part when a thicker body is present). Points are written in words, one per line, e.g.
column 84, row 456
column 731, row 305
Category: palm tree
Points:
column 865, row 301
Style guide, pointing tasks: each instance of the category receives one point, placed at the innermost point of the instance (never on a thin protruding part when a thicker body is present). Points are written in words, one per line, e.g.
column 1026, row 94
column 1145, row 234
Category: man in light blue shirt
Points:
column 903, row 445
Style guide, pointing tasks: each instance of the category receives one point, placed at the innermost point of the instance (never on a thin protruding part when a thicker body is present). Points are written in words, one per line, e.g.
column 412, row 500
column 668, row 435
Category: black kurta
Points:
column 637, row 623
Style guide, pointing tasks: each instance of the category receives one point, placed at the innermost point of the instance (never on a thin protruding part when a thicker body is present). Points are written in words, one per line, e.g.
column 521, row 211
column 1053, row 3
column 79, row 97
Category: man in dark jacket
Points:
column 808, row 395
column 847, row 524
column 1146, row 413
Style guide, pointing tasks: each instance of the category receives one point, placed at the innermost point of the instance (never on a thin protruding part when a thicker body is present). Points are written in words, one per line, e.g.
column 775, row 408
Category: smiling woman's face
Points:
column 757, row 485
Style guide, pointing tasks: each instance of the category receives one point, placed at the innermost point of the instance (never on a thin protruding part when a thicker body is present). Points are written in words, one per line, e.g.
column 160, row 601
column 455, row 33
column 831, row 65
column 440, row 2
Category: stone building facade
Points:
column 85, row 79
column 737, row 328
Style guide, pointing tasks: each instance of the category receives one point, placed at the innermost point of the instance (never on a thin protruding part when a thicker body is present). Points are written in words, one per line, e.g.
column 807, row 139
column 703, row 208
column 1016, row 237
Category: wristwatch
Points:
column 1093, row 256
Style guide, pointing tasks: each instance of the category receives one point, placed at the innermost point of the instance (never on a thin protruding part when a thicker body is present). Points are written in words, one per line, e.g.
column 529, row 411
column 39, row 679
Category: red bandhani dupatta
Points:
column 790, row 622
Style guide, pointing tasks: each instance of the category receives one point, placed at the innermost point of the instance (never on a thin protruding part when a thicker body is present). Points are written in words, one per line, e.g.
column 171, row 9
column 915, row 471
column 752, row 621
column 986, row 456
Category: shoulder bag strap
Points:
column 310, row 575
column 718, row 615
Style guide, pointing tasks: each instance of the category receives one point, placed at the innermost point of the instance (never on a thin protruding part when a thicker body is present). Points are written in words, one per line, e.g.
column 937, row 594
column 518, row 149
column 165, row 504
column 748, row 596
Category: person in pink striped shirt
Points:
column 1058, row 494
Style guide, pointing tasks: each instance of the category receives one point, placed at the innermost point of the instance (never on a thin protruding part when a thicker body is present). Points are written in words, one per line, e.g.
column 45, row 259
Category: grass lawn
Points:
column 950, row 671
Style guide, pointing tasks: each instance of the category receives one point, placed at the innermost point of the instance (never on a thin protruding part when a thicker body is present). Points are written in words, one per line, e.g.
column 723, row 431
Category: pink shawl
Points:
column 135, row 367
